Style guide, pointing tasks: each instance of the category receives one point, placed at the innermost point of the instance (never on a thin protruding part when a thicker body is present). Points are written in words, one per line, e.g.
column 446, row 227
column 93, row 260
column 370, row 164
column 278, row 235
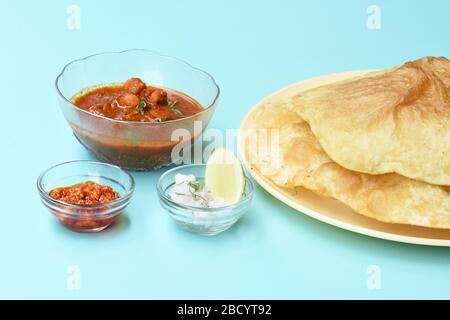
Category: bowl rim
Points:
column 162, row 194
column 125, row 198
column 216, row 98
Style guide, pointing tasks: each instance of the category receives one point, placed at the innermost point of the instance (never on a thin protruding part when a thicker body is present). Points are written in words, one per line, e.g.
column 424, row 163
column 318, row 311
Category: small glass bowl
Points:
column 88, row 217
column 204, row 221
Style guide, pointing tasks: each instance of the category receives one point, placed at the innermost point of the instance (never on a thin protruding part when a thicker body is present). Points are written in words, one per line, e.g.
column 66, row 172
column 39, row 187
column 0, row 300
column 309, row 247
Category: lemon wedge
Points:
column 224, row 176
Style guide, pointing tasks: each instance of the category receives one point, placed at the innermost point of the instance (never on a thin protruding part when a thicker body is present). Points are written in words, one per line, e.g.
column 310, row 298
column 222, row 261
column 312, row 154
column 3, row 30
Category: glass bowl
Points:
column 130, row 144
column 204, row 221
column 87, row 217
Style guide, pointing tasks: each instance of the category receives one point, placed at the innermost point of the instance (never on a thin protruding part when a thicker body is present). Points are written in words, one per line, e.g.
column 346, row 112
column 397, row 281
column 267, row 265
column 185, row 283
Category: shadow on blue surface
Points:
column 355, row 241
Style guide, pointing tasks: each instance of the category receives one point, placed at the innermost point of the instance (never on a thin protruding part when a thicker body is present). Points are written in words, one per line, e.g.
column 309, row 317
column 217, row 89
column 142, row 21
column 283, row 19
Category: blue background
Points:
column 252, row 48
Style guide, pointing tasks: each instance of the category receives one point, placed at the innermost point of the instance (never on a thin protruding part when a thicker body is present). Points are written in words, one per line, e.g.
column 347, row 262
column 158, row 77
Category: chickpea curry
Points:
column 137, row 101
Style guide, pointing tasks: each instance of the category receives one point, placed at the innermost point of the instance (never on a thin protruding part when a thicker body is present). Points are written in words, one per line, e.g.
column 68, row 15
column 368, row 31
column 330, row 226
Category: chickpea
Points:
column 158, row 96
column 134, row 85
column 162, row 113
column 128, row 100
column 147, row 92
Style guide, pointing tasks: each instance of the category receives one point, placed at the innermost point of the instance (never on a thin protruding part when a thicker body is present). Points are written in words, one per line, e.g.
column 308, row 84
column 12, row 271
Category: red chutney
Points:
column 137, row 101
column 85, row 193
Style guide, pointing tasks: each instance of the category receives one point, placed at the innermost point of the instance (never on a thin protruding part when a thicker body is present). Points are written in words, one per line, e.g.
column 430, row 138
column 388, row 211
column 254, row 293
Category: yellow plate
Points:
column 331, row 211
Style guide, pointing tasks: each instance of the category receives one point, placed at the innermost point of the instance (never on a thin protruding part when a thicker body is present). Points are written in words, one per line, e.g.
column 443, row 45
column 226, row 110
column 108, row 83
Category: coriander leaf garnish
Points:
column 196, row 196
column 172, row 105
column 142, row 106
column 194, row 190
column 177, row 111
column 195, row 185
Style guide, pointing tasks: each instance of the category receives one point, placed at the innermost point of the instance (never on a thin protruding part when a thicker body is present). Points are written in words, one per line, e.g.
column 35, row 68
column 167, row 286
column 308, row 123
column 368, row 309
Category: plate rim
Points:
column 281, row 196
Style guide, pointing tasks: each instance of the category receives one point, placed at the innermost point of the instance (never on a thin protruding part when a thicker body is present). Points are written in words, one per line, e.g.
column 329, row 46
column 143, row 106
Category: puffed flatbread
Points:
column 396, row 120
column 281, row 145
